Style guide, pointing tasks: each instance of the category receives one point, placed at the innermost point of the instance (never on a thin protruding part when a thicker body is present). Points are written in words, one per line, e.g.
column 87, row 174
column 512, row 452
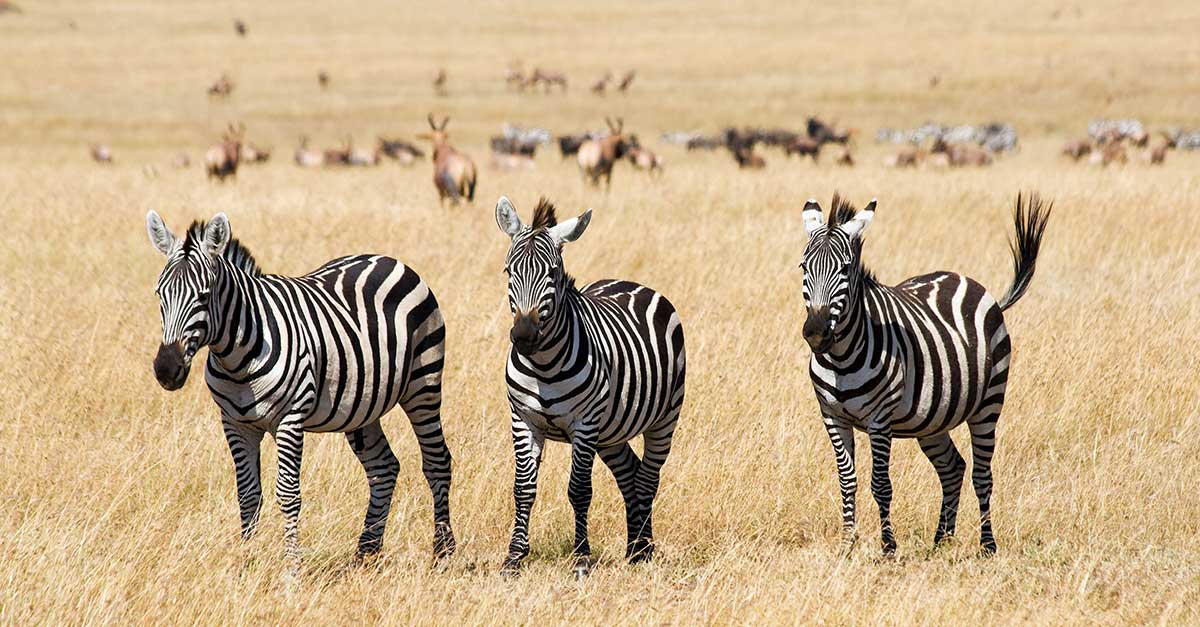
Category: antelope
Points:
column 439, row 82
column 1077, row 149
column 960, row 155
column 548, row 79
column 255, row 154
column 222, row 159
column 597, row 156
column 453, row 171
column 601, row 85
column 361, row 156
column 337, row 156
column 101, row 153
column 907, row 158
column 306, row 158
column 626, row 81
column 643, row 159
column 1111, row 152
column 222, row 87
column 843, row 157
column 514, row 76
column 1157, row 154
column 747, row 159
column 399, row 150
column 805, row 147
column 323, row 79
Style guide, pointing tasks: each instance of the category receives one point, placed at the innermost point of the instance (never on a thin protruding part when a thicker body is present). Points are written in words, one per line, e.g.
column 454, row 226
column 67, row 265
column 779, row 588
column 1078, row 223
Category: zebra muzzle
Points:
column 171, row 366
column 525, row 334
column 818, row 331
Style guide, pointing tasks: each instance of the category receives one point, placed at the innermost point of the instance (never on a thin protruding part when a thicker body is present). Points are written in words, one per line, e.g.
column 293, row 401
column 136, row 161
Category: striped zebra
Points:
column 913, row 360
column 595, row 367
column 332, row 350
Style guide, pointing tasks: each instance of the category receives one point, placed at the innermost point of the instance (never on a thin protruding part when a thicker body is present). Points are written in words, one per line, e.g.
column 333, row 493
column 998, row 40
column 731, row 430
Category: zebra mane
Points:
column 235, row 253
column 543, row 215
column 841, row 211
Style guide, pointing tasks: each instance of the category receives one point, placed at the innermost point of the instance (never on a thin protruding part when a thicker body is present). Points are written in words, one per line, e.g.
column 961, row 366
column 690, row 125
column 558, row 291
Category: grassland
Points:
column 116, row 498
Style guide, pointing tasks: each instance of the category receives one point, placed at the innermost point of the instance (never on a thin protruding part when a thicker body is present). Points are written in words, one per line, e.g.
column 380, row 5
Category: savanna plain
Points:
column 117, row 501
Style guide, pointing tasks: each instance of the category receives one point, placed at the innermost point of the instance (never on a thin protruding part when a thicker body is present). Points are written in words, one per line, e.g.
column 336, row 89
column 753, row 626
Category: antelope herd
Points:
column 596, row 153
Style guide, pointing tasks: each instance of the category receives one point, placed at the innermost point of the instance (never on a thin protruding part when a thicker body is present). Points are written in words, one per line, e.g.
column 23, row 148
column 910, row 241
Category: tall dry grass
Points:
column 117, row 500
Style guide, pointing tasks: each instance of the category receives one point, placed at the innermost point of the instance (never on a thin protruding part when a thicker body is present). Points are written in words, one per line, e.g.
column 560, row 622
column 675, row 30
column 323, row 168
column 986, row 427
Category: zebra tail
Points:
column 1030, row 223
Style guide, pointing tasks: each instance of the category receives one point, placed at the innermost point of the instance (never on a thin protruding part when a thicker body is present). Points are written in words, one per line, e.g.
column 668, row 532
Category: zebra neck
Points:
column 240, row 331
column 850, row 336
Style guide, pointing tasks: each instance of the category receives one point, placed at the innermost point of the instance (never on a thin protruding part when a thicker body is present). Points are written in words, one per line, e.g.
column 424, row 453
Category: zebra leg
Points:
column 950, row 469
column 624, row 464
column 579, row 492
column 881, row 484
column 983, row 446
column 657, row 447
column 244, row 444
column 289, row 439
column 370, row 445
column 424, row 412
column 841, row 436
column 527, row 450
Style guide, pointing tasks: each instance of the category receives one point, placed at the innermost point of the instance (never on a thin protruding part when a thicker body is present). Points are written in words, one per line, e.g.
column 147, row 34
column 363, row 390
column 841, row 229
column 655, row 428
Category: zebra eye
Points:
column 202, row 297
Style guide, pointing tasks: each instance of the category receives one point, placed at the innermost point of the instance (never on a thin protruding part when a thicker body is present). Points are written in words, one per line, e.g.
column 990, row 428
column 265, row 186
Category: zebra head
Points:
column 832, row 267
column 537, row 282
column 183, row 293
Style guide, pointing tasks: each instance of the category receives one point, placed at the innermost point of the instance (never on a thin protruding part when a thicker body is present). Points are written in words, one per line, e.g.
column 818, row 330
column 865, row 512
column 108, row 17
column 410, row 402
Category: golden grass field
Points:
column 117, row 502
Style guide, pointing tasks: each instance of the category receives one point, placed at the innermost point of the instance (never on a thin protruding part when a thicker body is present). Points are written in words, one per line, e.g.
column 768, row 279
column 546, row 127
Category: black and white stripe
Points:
column 913, row 360
column 594, row 367
column 332, row 350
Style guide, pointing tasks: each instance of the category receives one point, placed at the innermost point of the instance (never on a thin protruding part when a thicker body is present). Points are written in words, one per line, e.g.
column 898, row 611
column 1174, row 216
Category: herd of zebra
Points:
column 594, row 366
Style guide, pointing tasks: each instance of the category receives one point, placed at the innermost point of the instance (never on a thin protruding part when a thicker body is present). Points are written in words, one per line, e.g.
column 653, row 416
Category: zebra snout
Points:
column 525, row 334
column 170, row 367
column 817, row 331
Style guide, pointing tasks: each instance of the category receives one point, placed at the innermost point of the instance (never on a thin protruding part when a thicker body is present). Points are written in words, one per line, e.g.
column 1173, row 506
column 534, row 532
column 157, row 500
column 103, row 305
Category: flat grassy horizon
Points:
column 117, row 500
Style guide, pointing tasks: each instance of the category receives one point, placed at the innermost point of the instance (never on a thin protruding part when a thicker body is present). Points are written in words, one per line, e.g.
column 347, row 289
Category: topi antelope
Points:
column 222, row 87
column 643, row 159
column 803, row 146
column 960, row 155
column 453, row 171
column 255, row 154
column 101, row 153
column 597, row 156
column 1157, row 154
column 399, row 150
column 1077, row 149
column 221, row 160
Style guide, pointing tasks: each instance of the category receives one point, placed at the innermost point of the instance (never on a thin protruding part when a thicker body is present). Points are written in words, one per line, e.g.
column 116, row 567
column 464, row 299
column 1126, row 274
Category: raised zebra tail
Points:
column 1030, row 221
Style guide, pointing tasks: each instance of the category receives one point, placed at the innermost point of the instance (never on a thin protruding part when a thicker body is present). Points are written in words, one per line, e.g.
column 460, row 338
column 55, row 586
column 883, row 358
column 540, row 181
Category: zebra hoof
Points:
column 443, row 542
column 987, row 550
column 511, row 569
column 640, row 551
column 889, row 550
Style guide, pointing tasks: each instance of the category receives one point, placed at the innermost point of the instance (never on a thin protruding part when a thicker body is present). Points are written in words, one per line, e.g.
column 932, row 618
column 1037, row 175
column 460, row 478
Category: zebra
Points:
column 330, row 351
column 913, row 360
column 595, row 367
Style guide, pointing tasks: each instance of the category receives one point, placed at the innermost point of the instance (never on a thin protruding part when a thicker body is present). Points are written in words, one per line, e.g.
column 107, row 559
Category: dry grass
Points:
column 116, row 499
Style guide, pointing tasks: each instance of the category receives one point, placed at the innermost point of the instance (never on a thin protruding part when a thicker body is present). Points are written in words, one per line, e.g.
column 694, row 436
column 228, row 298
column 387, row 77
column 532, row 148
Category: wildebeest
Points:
column 221, row 160
column 569, row 144
column 704, row 142
column 804, row 147
column 597, row 156
column 826, row 134
column 746, row 158
column 222, row 87
column 307, row 158
column 508, row 145
column 399, row 150
column 453, row 171
column 101, row 153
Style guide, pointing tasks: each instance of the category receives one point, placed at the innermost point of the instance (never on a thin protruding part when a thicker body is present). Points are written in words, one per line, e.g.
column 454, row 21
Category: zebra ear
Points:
column 216, row 235
column 813, row 216
column 507, row 218
column 160, row 235
column 570, row 230
column 859, row 223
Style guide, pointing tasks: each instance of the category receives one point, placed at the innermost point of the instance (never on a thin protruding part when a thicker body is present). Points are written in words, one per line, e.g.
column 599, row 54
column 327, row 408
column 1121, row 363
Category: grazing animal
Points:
column 507, row 145
column 595, row 367
column 1111, row 151
column 400, row 150
column 511, row 161
column 569, row 144
column 643, row 159
column 704, row 142
column 1157, row 154
column 962, row 155
column 601, row 86
column 597, row 156
column 1077, row 149
column 843, row 157
column 239, row 27
column 805, row 147
column 331, row 351
column 453, row 171
column 101, row 153
column 826, row 134
column 907, row 158
column 913, row 360
column 306, row 158
column 548, row 79
column 747, row 159
column 626, row 81
column 222, row 87
column 182, row 160
column 323, row 79
column 255, row 154
column 221, row 160
column 363, row 157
